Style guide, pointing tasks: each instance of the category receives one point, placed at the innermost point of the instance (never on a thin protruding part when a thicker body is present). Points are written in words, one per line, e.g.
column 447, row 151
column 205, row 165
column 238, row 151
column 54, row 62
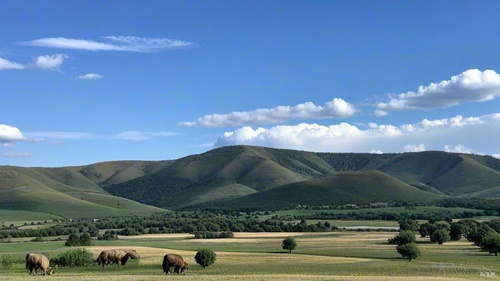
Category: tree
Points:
column 404, row 237
column 408, row 224
column 491, row 243
column 409, row 251
column 289, row 244
column 85, row 239
column 477, row 235
column 205, row 257
column 440, row 236
column 73, row 240
column 456, row 231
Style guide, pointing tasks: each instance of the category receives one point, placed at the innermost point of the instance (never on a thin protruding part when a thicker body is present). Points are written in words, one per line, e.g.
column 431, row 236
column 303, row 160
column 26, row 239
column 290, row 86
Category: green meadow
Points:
column 338, row 255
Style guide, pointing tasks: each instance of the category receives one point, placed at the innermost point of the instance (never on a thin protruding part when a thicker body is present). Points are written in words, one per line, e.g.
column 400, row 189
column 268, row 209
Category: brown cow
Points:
column 38, row 261
column 174, row 260
column 116, row 256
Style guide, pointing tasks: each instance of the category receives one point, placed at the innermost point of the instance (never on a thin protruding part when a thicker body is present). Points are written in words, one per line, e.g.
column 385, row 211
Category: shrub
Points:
column 108, row 235
column 75, row 240
column 205, row 257
column 7, row 262
column 440, row 236
column 404, row 237
column 72, row 258
column 38, row 239
column 409, row 251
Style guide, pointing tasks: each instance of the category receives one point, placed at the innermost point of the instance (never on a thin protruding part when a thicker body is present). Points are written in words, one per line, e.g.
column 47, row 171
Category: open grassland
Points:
column 258, row 256
column 19, row 217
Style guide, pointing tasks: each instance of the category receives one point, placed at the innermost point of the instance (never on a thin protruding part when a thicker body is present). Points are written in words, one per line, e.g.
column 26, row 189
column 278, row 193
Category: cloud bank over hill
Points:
column 449, row 134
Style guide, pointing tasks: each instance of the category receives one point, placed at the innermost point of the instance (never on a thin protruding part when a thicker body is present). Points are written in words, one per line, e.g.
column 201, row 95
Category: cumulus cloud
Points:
column 49, row 61
column 414, row 147
column 5, row 64
column 472, row 85
column 112, row 43
column 10, row 134
column 476, row 135
column 458, row 149
column 52, row 62
column 142, row 136
column 89, row 76
column 335, row 108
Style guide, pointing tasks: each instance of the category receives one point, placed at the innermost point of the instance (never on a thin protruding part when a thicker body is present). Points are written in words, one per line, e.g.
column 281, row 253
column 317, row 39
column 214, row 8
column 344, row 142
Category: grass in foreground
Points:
column 319, row 256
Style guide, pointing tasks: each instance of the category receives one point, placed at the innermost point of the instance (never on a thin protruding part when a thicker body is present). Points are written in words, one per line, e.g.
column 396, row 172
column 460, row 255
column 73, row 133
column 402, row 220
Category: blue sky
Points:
column 85, row 81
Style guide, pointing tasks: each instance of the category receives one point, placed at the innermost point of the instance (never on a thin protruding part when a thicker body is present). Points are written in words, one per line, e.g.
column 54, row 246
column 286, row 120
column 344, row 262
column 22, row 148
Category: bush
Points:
column 72, row 258
column 404, row 237
column 75, row 240
column 205, row 257
column 7, row 262
column 38, row 239
column 440, row 236
column 409, row 251
column 108, row 235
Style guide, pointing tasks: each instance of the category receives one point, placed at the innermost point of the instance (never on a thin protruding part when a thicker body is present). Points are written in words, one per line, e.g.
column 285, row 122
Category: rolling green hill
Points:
column 269, row 178
column 69, row 192
column 248, row 177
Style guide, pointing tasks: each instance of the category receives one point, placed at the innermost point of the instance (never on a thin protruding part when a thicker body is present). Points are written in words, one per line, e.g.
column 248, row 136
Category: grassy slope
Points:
column 342, row 188
column 189, row 178
column 253, row 172
column 454, row 174
column 61, row 191
column 200, row 178
column 107, row 173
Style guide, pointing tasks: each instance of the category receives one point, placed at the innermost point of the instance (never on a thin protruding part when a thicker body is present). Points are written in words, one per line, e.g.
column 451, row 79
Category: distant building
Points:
column 379, row 205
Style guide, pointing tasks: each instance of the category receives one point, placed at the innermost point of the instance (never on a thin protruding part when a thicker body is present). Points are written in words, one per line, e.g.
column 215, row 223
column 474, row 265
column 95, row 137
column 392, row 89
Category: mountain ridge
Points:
column 256, row 177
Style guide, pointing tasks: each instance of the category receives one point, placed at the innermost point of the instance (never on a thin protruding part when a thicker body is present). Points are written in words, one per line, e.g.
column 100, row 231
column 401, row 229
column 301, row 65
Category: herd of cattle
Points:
column 34, row 262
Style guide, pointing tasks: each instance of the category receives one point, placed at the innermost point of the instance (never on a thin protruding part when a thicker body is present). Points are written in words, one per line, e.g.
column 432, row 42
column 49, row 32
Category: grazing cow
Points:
column 116, row 256
column 38, row 261
column 174, row 260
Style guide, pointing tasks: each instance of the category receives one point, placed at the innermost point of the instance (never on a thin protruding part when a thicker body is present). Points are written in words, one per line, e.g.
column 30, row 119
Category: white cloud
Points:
column 89, row 76
column 414, row 147
column 141, row 136
column 5, row 64
column 49, row 61
column 42, row 62
column 117, row 43
column 17, row 154
column 458, row 149
column 335, row 108
column 496, row 156
column 476, row 134
column 51, row 135
column 472, row 85
column 10, row 134
column 379, row 112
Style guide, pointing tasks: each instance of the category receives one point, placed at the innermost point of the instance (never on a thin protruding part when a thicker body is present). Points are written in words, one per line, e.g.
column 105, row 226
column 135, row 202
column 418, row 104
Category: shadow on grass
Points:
column 278, row 252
